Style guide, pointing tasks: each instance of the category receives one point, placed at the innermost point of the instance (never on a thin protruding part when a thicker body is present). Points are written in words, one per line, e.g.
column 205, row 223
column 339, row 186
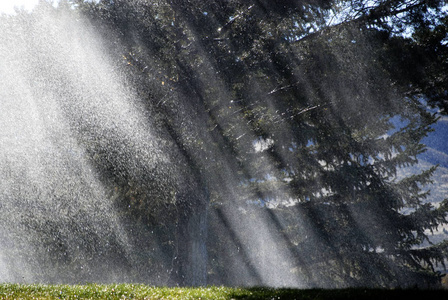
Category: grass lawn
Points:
column 137, row 291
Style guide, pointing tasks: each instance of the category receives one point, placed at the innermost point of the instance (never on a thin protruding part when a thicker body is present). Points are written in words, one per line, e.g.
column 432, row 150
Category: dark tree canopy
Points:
column 300, row 100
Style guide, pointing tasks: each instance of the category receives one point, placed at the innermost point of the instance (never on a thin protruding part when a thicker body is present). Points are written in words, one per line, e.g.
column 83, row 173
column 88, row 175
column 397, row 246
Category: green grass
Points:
column 137, row 291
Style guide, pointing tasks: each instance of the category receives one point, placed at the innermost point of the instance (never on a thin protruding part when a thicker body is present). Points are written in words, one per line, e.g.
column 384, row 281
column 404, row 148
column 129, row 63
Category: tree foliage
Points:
column 317, row 101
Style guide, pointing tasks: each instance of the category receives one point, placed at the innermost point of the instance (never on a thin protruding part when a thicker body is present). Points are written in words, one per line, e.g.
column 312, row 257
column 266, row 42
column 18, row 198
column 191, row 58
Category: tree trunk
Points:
column 191, row 259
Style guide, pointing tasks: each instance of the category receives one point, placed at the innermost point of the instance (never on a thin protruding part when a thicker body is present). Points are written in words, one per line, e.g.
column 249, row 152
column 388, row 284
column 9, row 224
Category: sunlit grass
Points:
column 119, row 291
column 140, row 291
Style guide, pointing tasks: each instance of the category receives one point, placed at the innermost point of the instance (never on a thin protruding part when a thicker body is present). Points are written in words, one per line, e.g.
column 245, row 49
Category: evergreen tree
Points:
column 321, row 102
